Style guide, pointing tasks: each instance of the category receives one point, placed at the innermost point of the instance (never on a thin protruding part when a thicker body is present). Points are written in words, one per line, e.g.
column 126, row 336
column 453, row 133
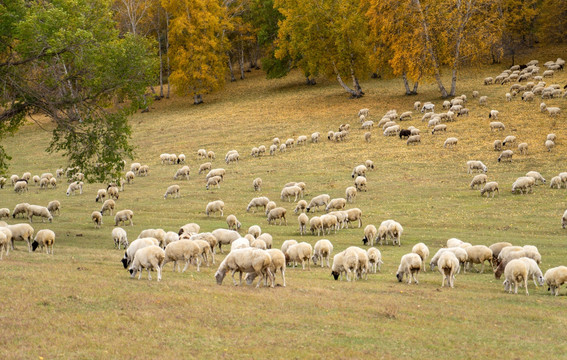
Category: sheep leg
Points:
column 186, row 264
column 233, row 279
column 149, row 274
column 282, row 270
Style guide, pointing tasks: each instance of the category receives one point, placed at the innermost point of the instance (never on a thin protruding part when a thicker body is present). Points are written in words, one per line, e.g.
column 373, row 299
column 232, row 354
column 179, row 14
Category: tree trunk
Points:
column 160, row 58
column 406, row 85
column 167, row 50
column 198, row 99
column 353, row 93
column 231, row 70
column 241, row 61
column 309, row 80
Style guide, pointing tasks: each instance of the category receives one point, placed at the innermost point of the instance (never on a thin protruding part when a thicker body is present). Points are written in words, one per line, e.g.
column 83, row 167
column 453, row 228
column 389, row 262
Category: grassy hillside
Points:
column 81, row 303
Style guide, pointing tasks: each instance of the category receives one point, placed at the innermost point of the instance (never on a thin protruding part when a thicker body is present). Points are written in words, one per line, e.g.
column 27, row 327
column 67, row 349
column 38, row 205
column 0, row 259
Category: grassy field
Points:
column 81, row 303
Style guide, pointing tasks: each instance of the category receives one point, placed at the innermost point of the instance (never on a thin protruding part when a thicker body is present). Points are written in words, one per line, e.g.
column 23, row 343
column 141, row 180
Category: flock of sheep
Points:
column 253, row 255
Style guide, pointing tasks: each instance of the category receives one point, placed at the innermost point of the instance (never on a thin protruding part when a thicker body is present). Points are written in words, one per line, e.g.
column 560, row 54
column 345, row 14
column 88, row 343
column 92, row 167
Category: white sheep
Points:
column 277, row 263
column 359, row 170
column 172, row 190
column 549, row 145
column 204, row 167
column 483, row 100
column 414, row 139
column 270, row 206
column 554, row 278
column 44, row 238
column 439, row 128
column 537, row 176
column 21, row 208
column 478, row 180
column 551, row 137
column 410, row 265
column 21, row 187
column 96, row 218
column 322, row 250
column 120, row 237
column 497, row 125
column 4, row 241
column 516, row 272
column 245, row 261
column 473, row 165
column 215, row 206
column 74, row 186
column 21, row 232
column 232, row 222
column 257, row 202
column 523, row 184
column 315, row 224
column 478, row 254
column 370, row 235
column 336, row 204
column 123, row 216
column 344, row 263
column 374, row 259
column 300, row 207
column 360, row 183
column 257, row 184
column 303, row 220
column 317, row 201
column 182, row 250
column 4, row 213
column 490, row 188
column 506, row 155
column 109, row 206
column 291, row 191
column 423, row 251
column 150, row 258
column 555, row 182
column 301, row 252
column 329, row 222
column 448, row 267
column 277, row 213
column 183, row 173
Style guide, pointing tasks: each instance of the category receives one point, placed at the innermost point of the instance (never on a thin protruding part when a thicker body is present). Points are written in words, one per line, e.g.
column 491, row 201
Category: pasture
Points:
column 81, row 303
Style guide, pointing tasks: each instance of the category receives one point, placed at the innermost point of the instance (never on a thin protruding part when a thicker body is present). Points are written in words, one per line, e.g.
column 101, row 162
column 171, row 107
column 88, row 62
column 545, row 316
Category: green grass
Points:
column 81, row 303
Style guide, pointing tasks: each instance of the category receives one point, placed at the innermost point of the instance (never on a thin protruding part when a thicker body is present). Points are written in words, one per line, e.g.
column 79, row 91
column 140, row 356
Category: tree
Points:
column 64, row 59
column 197, row 46
column 328, row 37
column 553, row 21
column 519, row 24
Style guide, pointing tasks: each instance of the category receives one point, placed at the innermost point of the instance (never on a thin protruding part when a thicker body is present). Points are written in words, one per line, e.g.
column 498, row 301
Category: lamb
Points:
column 551, row 137
column 247, row 260
column 215, row 206
column 336, row 204
column 303, row 220
column 232, row 222
column 497, row 125
column 478, row 254
column 300, row 207
column 450, row 142
column 300, row 252
column 414, row 139
column 374, row 259
column 483, row 100
column 555, row 182
column 21, row 232
column 120, row 238
column 439, row 128
column 370, row 235
column 475, row 94
column 74, row 186
column 549, row 145
column 344, row 262
column 21, row 208
column 96, row 217
column 367, row 136
column 291, row 191
column 423, row 251
column 257, row 202
column 183, row 172
column 448, row 267
column 225, row 237
column 554, row 278
column 322, row 250
column 204, row 167
column 185, row 250
column 473, row 165
column 315, row 224
column 4, row 213
column 523, row 184
column 320, row 200
column 257, row 184
column 506, row 155
column 277, row 213
column 410, row 265
column 350, row 194
column 360, row 183
column 123, row 216
column 478, row 180
column 21, row 187
column 151, row 258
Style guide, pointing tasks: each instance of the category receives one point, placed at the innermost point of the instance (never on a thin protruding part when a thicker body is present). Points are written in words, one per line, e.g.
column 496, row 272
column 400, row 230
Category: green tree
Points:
column 64, row 59
column 197, row 46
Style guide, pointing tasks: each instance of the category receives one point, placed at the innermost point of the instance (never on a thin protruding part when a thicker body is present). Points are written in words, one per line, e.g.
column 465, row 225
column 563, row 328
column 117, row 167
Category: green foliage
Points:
column 66, row 61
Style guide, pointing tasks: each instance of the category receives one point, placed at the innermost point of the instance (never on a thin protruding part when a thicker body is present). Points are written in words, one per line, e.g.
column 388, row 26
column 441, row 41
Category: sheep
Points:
column 257, row 202
column 563, row 177
column 473, row 165
column 516, row 271
column 145, row 169
column 448, row 267
column 74, row 186
column 434, row 122
column 241, row 243
column 172, row 190
column 258, row 244
column 270, row 206
column 4, row 241
column 315, row 224
column 523, row 184
column 510, row 140
column 496, row 248
column 255, row 152
column 453, row 242
column 551, row 137
column 96, row 218
column 475, row 94
column 44, row 238
column 490, row 188
column 164, row 158
column 523, row 148
column 497, row 125
column 182, row 173
column 215, row 206
column 277, row 213
column 322, row 250
column 506, row 155
column 232, row 222
column 36, row 210
column 257, row 184
column 410, row 265
column 554, row 278
column 291, row 191
column 247, row 260
column 549, row 145
column 428, row 107
column 537, row 176
column 478, row 180
column 446, row 104
column 359, row 170
column 360, row 183
column 483, row 100
column 391, row 229
column 427, row 117
column 329, row 222
column 101, row 194
column 300, row 207
column 423, row 251
column 4, row 213
column 302, row 219
column 532, row 252
column 301, row 252
column 555, row 182
column 507, row 254
column 225, row 237
column 21, row 187
column 135, row 167
column 370, row 235
column 392, row 130
column 352, row 215
column 204, row 167
column 528, row 96
column 255, row 231
column 151, row 258
column 21, row 232
column 417, row 105
column 488, row 81
column 450, row 142
column 548, row 73
column 185, row 250
column 478, row 254
column 362, row 266
column 109, row 206
column 43, row 183
column 534, row 272
column 374, row 259
column 213, row 181
column 2, row 182
column 234, row 157
column 21, row 208
column 130, row 177
column 336, row 204
column 320, row 200
column 405, row 116
column 120, row 238
column 290, row 143
column 439, row 128
column 123, row 216
column 201, row 153
column 344, row 262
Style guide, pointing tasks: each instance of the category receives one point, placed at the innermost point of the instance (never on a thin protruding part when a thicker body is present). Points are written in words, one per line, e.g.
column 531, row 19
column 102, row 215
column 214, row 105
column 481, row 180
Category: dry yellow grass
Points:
column 81, row 303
